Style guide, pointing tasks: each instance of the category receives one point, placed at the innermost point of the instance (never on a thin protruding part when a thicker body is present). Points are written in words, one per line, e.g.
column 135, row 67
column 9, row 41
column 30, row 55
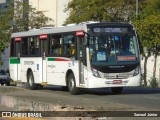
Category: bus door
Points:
column 15, row 59
column 43, row 39
column 81, row 56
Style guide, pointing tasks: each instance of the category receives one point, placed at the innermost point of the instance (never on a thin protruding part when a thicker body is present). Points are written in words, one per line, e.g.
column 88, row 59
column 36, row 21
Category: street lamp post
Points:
column 136, row 8
column 136, row 11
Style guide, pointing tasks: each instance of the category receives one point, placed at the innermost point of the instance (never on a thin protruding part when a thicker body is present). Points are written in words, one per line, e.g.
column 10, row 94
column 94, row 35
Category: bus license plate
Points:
column 117, row 81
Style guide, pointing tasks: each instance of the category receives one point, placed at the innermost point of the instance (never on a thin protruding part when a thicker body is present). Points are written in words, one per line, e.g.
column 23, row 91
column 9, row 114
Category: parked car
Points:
column 4, row 78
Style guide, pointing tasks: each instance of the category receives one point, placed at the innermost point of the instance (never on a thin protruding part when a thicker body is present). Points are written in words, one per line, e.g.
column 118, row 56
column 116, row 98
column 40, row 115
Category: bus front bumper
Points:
column 95, row 82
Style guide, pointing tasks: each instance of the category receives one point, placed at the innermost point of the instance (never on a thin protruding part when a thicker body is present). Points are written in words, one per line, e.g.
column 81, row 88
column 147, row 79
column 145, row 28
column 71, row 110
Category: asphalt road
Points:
column 131, row 99
column 101, row 99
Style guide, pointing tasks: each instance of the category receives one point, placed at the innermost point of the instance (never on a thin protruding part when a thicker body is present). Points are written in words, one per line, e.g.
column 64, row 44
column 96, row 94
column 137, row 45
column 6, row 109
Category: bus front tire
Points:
column 117, row 90
column 72, row 85
column 31, row 82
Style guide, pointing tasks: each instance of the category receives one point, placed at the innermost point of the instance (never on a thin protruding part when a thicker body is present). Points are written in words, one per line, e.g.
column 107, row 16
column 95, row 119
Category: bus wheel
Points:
column 117, row 90
column 72, row 85
column 2, row 84
column 31, row 82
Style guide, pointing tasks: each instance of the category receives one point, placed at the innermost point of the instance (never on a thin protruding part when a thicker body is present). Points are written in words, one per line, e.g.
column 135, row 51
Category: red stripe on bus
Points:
column 60, row 59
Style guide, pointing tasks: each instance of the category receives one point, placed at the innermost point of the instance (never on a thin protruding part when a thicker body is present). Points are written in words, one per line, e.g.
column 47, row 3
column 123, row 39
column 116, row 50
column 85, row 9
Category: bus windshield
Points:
column 112, row 49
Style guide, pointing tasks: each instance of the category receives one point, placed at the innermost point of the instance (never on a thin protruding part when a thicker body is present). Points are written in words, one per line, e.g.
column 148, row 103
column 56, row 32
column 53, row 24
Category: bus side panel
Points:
column 35, row 65
column 23, row 73
column 14, row 67
column 56, row 71
column 85, row 73
column 38, row 76
column 75, row 69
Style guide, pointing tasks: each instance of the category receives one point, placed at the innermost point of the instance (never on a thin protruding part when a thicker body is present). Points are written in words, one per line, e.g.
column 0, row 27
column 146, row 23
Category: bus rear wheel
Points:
column 117, row 90
column 72, row 85
column 31, row 82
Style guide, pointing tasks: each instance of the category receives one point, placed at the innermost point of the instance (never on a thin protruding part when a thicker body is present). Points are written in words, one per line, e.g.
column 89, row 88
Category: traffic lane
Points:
column 136, row 96
column 107, row 91
column 97, row 97
column 131, row 98
column 48, row 100
column 143, row 97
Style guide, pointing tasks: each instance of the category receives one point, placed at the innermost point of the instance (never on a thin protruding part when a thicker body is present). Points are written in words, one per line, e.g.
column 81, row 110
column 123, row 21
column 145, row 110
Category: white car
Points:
column 4, row 78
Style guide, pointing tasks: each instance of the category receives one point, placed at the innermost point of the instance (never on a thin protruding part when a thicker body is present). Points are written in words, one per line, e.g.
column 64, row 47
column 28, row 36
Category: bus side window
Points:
column 37, row 46
column 12, row 49
column 25, row 45
column 34, row 45
column 68, row 44
column 55, row 45
column 65, row 46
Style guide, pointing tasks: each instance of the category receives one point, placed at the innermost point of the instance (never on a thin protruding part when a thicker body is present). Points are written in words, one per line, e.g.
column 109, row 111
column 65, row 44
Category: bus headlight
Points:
column 136, row 71
column 95, row 73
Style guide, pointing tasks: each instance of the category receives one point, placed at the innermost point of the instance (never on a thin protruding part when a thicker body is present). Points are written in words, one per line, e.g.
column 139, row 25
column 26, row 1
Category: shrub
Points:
column 153, row 82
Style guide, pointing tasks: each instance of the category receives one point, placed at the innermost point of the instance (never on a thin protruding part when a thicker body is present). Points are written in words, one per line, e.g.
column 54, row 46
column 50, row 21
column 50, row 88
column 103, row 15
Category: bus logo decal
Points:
column 28, row 62
column 51, row 66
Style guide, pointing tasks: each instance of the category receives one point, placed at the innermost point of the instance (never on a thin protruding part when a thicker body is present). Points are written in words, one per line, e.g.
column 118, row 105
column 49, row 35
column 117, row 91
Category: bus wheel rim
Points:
column 30, row 80
column 72, row 84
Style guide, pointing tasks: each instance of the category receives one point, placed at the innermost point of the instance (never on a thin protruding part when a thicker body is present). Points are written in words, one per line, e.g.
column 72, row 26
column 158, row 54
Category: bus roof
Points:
column 63, row 29
column 48, row 31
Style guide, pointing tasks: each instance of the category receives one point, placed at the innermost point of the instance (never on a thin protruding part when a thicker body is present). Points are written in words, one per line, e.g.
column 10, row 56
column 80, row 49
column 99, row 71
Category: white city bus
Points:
column 87, row 55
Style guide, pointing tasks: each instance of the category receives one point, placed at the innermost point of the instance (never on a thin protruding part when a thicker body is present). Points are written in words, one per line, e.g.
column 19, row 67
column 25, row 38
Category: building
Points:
column 53, row 9
column 2, row 4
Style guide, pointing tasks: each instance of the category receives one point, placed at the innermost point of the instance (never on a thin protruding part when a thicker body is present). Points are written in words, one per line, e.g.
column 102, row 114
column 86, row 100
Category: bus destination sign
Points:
column 111, row 29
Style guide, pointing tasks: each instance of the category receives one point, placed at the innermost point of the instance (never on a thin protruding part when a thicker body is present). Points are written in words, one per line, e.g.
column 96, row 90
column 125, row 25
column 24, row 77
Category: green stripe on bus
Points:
column 14, row 61
column 51, row 59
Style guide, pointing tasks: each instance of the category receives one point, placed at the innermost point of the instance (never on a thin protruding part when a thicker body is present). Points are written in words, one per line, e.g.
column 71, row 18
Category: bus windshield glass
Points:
column 111, row 49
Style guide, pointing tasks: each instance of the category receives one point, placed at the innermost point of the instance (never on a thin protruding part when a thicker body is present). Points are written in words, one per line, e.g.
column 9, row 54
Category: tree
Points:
column 101, row 10
column 148, row 26
column 149, row 33
column 153, row 10
column 19, row 16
